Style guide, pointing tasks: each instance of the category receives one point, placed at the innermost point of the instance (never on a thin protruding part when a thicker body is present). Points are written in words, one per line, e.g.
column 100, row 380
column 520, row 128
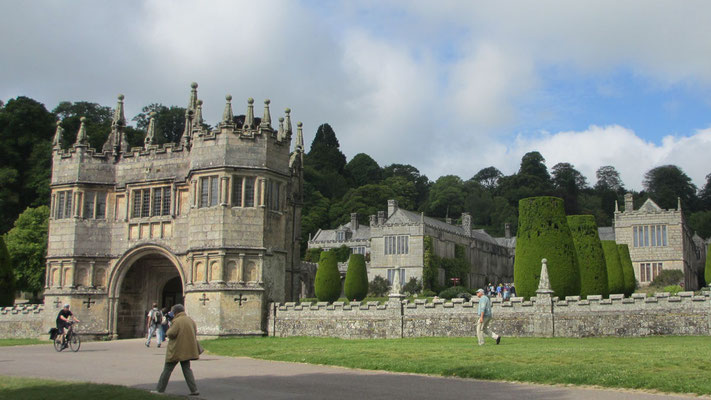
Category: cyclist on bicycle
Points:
column 64, row 320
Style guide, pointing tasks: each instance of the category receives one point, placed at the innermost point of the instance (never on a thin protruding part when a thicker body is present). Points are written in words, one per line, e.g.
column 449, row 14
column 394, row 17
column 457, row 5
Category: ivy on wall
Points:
column 456, row 267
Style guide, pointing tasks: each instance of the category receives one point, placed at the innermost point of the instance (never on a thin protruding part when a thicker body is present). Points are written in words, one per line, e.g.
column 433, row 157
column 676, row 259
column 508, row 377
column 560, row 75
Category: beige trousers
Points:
column 482, row 329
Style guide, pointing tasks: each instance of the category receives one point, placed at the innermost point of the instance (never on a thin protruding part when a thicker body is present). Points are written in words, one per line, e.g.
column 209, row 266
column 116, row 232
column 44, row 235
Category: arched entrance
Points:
column 143, row 277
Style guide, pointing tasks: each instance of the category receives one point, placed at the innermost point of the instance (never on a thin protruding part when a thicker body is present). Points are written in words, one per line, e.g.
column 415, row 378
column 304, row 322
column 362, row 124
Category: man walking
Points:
column 182, row 347
column 154, row 319
column 484, row 313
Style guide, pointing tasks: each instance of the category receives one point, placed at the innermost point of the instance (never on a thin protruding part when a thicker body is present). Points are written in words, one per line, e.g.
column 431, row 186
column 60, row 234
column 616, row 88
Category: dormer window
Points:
column 341, row 236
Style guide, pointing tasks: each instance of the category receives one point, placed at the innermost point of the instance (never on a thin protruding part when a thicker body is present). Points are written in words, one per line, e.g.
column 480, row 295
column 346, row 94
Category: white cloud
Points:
column 620, row 147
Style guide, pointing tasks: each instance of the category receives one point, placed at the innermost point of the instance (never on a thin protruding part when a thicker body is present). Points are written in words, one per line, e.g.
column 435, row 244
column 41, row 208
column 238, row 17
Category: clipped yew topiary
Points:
column 707, row 272
column 627, row 269
column 543, row 233
column 591, row 259
column 615, row 277
column 327, row 284
column 356, row 285
column 7, row 277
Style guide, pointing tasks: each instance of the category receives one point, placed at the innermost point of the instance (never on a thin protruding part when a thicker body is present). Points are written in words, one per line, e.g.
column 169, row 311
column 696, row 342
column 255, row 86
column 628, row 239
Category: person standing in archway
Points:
column 153, row 322
column 183, row 347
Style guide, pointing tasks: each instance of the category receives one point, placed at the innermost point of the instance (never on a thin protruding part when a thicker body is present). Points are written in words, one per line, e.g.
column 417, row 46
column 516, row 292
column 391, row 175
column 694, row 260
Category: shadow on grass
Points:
column 40, row 389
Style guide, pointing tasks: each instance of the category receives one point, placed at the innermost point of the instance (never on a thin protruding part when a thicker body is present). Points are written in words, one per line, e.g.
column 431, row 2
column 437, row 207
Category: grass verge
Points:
column 664, row 363
column 13, row 387
column 21, row 342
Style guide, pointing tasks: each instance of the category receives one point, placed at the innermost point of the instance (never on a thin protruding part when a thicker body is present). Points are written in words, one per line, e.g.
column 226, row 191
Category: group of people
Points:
column 157, row 323
column 503, row 291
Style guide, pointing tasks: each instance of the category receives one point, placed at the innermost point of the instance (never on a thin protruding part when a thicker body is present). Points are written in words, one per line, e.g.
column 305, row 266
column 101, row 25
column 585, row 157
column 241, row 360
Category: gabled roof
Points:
column 650, row 206
column 326, row 235
column 606, row 233
column 401, row 216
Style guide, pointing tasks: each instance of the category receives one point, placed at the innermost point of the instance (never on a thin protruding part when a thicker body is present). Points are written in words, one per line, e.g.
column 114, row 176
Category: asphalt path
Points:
column 130, row 363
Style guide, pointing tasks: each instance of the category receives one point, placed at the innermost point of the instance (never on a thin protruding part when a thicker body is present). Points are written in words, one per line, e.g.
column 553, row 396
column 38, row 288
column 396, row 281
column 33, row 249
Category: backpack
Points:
column 157, row 317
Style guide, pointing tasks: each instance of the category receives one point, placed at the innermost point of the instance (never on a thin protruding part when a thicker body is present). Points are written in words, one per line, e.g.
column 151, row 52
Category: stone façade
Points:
column 219, row 213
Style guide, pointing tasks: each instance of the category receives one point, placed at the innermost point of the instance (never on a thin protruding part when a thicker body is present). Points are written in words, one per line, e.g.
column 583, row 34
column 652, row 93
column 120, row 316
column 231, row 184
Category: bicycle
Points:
column 71, row 340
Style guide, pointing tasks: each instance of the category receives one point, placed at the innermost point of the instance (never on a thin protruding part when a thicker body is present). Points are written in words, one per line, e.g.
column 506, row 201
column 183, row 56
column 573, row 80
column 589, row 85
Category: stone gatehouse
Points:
column 212, row 221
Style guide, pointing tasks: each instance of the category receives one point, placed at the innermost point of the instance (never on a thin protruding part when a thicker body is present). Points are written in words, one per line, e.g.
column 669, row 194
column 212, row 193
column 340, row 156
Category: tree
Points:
column 356, row 285
column 627, row 269
column 533, row 164
column 543, row 233
column 705, row 195
column 27, row 245
column 591, row 259
column 7, row 277
column 446, row 197
column 26, row 131
column 700, row 222
column 363, row 170
column 531, row 180
column 608, row 179
column 615, row 276
column 170, row 122
column 325, row 153
column 568, row 183
column 365, row 200
column 667, row 183
column 97, row 123
column 488, row 177
column 327, row 283
column 411, row 174
column 378, row 287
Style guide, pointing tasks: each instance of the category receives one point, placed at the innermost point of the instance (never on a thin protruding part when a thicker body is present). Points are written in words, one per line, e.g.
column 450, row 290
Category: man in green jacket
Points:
column 182, row 347
column 484, row 314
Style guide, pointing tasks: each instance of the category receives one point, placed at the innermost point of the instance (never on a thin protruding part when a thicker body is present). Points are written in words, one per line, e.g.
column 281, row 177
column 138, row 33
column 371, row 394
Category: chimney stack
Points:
column 629, row 204
column 354, row 222
column 373, row 220
column 392, row 207
column 381, row 217
column 507, row 230
column 448, row 220
column 467, row 223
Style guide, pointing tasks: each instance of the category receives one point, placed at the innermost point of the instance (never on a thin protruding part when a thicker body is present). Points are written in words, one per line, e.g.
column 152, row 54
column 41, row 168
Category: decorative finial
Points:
column 57, row 141
column 617, row 208
column 249, row 118
column 287, row 122
column 678, row 203
column 280, row 131
column 119, row 118
column 267, row 117
column 81, row 135
column 185, row 138
column 192, row 102
column 544, row 284
column 150, row 135
column 299, row 136
column 227, row 116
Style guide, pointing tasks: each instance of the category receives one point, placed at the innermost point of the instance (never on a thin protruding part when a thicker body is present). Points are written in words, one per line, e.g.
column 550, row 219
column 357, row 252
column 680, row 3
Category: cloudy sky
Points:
column 448, row 86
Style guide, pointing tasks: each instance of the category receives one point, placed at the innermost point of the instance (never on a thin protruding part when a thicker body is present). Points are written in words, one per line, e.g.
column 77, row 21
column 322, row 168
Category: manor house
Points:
column 397, row 239
column 659, row 240
column 212, row 222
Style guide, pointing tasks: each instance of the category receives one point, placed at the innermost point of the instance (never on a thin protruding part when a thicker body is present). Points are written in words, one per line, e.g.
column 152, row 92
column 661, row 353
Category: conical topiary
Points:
column 356, row 285
column 627, row 269
column 543, row 233
column 591, row 259
column 615, row 278
column 327, row 284
column 7, row 277
column 707, row 272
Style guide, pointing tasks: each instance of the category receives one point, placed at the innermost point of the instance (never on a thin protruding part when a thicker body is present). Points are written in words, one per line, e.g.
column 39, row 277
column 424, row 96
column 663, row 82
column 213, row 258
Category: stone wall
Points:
column 23, row 321
column 542, row 316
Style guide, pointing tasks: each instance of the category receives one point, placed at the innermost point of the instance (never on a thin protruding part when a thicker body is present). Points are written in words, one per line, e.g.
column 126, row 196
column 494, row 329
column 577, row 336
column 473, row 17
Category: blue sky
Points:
column 450, row 86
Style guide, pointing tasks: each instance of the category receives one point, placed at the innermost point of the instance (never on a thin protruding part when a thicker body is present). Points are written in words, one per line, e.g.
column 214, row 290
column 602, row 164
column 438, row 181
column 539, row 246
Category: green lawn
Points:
column 40, row 389
column 21, row 342
column 667, row 364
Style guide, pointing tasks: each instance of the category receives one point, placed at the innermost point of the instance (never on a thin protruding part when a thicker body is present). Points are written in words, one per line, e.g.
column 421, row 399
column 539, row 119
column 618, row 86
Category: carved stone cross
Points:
column 240, row 299
column 204, row 299
column 89, row 302
column 57, row 302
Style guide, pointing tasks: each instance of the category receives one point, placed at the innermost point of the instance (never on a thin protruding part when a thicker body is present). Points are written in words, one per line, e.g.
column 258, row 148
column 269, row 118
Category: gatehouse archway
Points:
column 143, row 276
